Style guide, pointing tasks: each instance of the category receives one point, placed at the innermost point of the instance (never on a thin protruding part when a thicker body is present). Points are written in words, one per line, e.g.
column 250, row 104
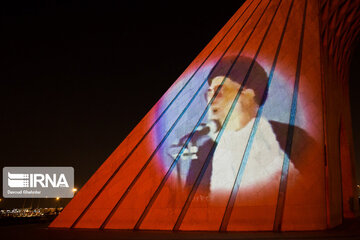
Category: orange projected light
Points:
column 235, row 144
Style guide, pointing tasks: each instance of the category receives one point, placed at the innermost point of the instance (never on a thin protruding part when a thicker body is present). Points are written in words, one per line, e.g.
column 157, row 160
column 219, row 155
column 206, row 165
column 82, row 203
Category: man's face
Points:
column 220, row 107
column 222, row 103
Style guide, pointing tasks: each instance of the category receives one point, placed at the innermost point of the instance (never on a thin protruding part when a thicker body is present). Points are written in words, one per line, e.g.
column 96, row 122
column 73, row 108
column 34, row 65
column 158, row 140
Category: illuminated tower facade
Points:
column 254, row 135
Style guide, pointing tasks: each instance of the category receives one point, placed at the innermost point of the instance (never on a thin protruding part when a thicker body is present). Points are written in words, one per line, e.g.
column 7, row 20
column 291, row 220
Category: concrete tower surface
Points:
column 255, row 135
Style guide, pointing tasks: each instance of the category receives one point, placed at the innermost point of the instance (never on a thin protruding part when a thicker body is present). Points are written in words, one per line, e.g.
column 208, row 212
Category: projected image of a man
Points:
column 253, row 94
column 264, row 162
column 243, row 112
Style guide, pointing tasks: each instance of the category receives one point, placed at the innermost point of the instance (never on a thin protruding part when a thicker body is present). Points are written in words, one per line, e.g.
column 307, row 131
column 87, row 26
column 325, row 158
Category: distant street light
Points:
column 57, row 198
column 74, row 190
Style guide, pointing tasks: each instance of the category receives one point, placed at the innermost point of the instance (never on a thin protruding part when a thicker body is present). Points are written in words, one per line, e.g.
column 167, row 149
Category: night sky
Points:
column 77, row 77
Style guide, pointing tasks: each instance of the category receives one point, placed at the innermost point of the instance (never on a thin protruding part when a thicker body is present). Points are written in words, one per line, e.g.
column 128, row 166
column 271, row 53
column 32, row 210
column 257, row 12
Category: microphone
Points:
column 204, row 131
column 209, row 129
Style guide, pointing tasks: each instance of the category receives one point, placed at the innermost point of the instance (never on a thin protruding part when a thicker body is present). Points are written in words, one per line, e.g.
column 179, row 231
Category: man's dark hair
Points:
column 257, row 80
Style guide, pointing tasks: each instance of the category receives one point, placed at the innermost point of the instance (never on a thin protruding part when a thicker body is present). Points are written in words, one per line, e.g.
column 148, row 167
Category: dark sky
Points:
column 77, row 77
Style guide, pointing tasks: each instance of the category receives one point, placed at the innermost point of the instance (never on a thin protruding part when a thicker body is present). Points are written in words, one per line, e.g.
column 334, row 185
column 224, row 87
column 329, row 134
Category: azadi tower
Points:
column 254, row 135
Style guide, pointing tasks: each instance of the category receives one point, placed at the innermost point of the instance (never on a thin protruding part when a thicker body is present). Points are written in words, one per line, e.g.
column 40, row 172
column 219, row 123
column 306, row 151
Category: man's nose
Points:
column 209, row 96
column 211, row 92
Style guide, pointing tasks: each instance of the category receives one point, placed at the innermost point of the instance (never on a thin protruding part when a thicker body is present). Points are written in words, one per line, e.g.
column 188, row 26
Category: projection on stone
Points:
column 235, row 144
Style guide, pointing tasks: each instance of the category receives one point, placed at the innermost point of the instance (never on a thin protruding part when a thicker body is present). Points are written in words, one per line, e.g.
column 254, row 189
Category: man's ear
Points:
column 249, row 93
column 248, row 102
